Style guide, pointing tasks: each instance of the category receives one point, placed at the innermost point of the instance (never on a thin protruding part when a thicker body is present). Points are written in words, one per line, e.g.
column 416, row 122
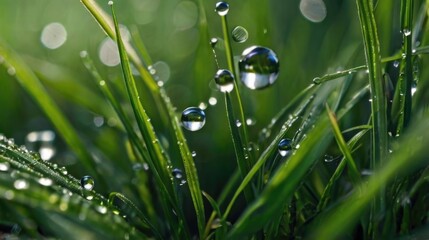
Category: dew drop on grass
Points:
column 224, row 80
column 4, row 166
column 212, row 101
column 238, row 123
column 110, row 3
column 63, row 170
column 259, row 67
column 87, row 182
column 284, row 146
column 194, row 153
column 222, row 8
column 177, row 173
column 239, row 34
column 45, row 181
column 250, row 121
column 42, row 142
column 407, row 32
column 213, row 42
column 21, row 184
column 396, row 64
column 328, row 158
column 193, row 118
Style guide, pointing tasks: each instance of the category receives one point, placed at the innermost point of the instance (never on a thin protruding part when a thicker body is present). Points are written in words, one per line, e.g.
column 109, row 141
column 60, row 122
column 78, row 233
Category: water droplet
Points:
column 98, row 121
column 284, row 146
column 213, row 42
column 407, row 32
column 20, row 184
column 45, row 181
column 4, row 166
column 328, row 158
column 239, row 34
column 9, row 195
column 177, row 173
column 250, row 121
column 202, row 105
column 224, row 80
column 259, row 67
column 238, row 123
column 101, row 209
column 413, row 88
column 42, row 142
column 54, row 35
column 313, row 10
column 87, row 182
column 110, row 3
column 193, row 118
column 212, row 101
column 396, row 64
column 194, row 153
column 222, row 8
column 47, row 151
column 63, row 170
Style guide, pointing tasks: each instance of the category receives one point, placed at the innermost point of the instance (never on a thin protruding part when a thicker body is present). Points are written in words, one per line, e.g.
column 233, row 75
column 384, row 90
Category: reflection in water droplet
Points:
column 108, row 53
column 284, row 146
column 222, row 8
column 259, row 67
column 87, row 182
column 21, row 184
column 54, row 35
column 224, row 80
column 313, row 10
column 239, row 34
column 328, row 158
column 193, row 118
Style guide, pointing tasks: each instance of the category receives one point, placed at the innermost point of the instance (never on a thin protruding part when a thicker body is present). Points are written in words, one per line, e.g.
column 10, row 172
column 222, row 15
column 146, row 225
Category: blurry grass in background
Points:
column 50, row 35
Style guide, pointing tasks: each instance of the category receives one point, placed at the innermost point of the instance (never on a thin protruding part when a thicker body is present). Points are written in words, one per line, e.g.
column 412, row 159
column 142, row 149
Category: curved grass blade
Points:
column 354, row 173
column 32, row 85
column 413, row 146
column 327, row 191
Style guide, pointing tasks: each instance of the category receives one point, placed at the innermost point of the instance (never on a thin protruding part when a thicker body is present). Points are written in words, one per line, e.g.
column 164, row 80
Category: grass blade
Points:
column 354, row 173
column 412, row 146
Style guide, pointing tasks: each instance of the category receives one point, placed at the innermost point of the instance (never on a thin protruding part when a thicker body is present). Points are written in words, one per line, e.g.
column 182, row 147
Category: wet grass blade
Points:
column 32, row 85
column 354, row 172
column 411, row 149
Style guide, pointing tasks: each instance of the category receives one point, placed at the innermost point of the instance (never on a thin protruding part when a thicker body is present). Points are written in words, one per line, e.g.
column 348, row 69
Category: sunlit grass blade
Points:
column 354, row 172
column 32, row 85
column 411, row 147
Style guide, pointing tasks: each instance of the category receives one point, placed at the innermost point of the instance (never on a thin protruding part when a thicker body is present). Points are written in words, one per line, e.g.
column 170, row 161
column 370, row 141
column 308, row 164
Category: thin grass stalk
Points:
column 378, row 101
column 230, row 60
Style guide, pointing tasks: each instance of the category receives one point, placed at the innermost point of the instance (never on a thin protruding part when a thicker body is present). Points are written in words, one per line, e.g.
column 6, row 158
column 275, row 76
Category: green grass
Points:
column 357, row 168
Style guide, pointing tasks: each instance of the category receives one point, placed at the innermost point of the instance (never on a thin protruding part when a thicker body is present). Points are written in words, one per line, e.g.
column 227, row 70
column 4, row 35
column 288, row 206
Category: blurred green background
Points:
column 178, row 42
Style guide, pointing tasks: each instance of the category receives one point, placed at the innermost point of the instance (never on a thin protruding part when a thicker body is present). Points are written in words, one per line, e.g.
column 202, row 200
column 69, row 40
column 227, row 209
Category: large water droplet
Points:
column 87, row 182
column 213, row 42
column 239, row 34
column 284, row 146
column 222, row 8
column 224, row 80
column 193, row 118
column 259, row 67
